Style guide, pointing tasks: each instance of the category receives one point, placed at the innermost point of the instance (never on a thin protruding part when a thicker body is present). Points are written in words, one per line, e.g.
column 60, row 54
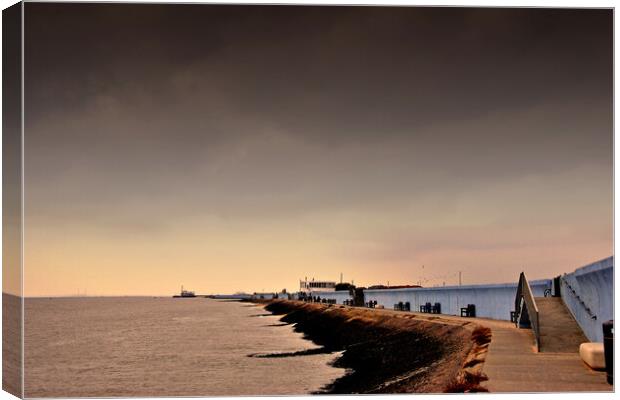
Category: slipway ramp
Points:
column 559, row 332
column 553, row 326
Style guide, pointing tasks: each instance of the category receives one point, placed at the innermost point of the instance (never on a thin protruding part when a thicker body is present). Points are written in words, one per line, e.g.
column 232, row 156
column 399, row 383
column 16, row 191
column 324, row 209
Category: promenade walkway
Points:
column 513, row 365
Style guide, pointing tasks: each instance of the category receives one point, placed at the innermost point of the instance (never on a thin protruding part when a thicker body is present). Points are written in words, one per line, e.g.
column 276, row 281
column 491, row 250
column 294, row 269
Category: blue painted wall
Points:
column 494, row 301
column 588, row 292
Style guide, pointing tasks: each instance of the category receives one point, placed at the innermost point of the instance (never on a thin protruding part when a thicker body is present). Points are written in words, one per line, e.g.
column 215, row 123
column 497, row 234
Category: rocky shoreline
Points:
column 389, row 352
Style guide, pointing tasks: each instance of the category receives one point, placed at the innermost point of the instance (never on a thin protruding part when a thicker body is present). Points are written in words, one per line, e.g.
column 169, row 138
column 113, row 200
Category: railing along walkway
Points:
column 577, row 297
column 526, row 309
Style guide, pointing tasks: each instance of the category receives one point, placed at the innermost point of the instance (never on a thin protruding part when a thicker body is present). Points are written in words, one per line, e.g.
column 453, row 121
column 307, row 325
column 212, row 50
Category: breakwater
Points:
column 388, row 352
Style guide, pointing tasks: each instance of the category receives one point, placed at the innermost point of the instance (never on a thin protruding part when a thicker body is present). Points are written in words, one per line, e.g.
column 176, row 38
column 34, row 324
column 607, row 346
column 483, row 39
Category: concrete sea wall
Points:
column 494, row 301
column 588, row 293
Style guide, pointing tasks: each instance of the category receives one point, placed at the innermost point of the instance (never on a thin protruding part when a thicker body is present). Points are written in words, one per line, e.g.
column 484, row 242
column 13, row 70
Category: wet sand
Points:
column 391, row 352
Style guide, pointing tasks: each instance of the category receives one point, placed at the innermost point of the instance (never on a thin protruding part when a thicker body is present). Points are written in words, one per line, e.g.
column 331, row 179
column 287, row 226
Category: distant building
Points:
column 283, row 295
column 264, row 296
column 308, row 287
column 236, row 296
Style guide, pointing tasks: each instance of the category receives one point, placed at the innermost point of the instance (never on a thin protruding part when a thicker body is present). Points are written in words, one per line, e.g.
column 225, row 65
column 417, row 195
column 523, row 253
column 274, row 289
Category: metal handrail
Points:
column 583, row 303
column 528, row 306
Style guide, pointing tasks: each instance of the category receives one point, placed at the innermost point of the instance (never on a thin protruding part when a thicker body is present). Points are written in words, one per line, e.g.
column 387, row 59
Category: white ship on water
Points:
column 185, row 293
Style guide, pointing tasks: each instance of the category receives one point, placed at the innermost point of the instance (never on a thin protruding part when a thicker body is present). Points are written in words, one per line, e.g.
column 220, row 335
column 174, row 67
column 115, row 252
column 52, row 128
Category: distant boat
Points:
column 184, row 293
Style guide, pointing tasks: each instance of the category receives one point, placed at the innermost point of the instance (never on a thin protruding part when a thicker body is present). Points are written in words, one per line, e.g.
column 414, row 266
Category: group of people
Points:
column 317, row 299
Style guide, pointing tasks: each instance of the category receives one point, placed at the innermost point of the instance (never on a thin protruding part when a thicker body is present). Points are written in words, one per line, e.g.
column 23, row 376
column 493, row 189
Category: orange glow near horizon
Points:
column 369, row 246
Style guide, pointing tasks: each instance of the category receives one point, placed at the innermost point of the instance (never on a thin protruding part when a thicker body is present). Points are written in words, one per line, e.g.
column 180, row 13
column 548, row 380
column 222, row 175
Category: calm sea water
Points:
column 163, row 347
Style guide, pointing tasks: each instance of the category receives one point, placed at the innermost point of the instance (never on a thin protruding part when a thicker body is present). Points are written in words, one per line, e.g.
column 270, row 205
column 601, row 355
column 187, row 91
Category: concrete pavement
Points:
column 513, row 365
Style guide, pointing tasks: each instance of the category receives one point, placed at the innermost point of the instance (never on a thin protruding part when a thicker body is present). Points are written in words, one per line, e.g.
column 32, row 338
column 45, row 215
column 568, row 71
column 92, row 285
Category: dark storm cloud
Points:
column 140, row 99
column 164, row 79
column 355, row 70
column 367, row 136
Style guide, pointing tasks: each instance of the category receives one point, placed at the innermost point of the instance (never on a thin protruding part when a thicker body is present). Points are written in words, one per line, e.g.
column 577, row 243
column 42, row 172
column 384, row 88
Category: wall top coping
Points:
column 543, row 282
column 595, row 266
column 539, row 282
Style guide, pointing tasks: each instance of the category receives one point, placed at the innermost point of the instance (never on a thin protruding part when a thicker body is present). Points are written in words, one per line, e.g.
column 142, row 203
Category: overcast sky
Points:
column 245, row 147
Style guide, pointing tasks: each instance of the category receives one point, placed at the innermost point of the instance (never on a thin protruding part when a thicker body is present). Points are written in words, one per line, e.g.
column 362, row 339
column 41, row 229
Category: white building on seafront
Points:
column 308, row 287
